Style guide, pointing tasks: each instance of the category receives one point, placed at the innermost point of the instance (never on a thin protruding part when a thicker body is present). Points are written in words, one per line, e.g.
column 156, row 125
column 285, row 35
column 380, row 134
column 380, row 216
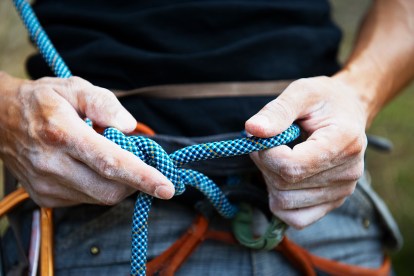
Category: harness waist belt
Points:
column 209, row 90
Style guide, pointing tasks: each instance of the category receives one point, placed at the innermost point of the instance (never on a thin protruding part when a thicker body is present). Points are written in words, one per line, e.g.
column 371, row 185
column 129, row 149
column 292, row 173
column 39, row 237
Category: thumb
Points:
column 274, row 117
column 98, row 104
column 105, row 110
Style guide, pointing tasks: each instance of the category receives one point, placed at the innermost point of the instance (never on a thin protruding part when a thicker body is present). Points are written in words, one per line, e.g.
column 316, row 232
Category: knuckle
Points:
column 283, row 200
column 106, row 93
column 356, row 146
column 350, row 190
column 281, row 185
column 100, row 92
column 49, row 124
column 54, row 134
column 101, row 98
column 340, row 203
column 76, row 83
column 291, row 173
column 45, row 80
column 104, row 96
column 108, row 166
column 356, row 172
column 40, row 92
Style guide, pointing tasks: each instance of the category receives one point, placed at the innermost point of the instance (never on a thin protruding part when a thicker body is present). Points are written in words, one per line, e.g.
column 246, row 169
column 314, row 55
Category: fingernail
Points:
column 164, row 192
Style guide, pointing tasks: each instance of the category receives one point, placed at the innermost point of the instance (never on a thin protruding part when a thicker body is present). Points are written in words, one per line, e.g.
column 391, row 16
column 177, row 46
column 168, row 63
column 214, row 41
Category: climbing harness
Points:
column 171, row 166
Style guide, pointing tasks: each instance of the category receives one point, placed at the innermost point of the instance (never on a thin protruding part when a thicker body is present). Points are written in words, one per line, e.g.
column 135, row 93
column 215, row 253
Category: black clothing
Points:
column 130, row 44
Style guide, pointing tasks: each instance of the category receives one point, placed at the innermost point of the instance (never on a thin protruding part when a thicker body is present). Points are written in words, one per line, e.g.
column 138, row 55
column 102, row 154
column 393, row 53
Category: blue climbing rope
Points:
column 153, row 154
column 39, row 36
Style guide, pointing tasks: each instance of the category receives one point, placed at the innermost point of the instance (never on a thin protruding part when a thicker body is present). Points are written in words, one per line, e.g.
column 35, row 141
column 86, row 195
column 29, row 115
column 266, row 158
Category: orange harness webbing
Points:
column 171, row 259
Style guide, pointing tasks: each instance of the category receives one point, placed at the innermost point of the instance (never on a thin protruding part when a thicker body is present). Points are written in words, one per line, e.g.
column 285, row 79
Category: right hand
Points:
column 57, row 157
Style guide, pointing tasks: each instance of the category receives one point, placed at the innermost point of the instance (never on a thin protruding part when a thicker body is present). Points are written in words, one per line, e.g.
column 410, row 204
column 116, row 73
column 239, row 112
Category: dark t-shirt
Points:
column 130, row 44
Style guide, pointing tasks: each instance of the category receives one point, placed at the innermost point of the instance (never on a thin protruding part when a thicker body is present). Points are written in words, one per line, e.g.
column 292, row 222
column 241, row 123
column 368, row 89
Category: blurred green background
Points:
column 392, row 173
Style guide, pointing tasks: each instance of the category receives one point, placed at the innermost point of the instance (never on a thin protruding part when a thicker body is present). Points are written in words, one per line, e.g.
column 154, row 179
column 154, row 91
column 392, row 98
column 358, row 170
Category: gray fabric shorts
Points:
column 356, row 233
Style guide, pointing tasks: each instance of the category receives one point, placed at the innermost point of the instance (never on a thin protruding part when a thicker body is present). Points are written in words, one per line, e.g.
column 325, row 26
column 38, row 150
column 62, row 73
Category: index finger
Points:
column 112, row 162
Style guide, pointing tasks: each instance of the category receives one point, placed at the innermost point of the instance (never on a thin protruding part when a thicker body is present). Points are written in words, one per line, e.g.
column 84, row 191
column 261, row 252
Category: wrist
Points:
column 366, row 87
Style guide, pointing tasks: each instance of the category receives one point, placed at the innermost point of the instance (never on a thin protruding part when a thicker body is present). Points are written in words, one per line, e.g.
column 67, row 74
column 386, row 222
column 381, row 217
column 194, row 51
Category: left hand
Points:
column 317, row 175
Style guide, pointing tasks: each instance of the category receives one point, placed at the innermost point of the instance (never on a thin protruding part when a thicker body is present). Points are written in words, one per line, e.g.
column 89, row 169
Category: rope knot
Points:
column 150, row 152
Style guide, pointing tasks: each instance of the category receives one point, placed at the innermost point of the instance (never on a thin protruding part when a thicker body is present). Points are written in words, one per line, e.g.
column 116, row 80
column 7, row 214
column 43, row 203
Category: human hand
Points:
column 316, row 176
column 57, row 157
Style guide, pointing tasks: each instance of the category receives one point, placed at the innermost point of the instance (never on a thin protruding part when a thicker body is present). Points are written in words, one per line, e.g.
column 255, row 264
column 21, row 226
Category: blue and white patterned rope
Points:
column 151, row 153
column 39, row 36
column 42, row 41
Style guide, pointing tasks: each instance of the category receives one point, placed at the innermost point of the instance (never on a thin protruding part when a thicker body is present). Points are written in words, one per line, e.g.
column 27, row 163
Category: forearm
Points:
column 382, row 61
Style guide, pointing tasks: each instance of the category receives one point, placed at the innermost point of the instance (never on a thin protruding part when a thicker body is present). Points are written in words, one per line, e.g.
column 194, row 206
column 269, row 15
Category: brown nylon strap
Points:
column 209, row 90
